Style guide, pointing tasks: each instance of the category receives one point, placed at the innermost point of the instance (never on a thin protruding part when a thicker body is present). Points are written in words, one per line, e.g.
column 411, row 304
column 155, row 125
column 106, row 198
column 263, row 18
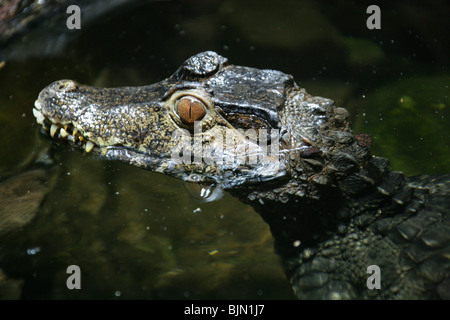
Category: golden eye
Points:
column 190, row 109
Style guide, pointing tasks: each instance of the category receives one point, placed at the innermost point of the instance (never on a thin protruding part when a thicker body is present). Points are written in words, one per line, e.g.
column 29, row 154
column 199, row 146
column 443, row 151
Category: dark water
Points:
column 138, row 234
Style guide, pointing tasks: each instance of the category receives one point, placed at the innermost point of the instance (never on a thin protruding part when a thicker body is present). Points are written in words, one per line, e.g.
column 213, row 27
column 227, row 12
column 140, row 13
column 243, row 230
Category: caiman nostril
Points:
column 65, row 85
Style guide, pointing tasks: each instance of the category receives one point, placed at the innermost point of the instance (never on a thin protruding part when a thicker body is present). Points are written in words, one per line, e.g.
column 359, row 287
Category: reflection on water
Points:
column 141, row 234
column 138, row 234
column 205, row 192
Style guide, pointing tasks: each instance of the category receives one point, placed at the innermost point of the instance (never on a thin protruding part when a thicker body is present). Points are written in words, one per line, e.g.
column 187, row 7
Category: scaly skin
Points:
column 333, row 208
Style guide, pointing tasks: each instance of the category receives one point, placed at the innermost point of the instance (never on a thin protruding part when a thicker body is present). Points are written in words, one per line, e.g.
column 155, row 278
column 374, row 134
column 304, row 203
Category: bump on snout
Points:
column 64, row 86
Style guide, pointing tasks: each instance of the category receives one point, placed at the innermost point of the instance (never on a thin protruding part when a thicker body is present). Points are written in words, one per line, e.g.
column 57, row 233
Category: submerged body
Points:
column 333, row 208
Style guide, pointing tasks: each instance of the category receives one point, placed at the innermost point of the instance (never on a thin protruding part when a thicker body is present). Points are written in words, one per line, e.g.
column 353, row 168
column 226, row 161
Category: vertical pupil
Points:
column 190, row 110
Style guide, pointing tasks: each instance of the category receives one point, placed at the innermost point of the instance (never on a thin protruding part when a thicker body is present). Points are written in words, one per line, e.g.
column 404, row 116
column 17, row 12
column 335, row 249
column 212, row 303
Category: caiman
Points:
column 344, row 224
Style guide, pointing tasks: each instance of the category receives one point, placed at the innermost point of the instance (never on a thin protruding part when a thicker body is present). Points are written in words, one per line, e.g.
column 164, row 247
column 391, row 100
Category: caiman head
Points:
column 209, row 122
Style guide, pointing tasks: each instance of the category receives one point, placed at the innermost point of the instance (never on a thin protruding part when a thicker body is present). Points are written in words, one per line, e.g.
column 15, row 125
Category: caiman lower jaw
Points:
column 65, row 131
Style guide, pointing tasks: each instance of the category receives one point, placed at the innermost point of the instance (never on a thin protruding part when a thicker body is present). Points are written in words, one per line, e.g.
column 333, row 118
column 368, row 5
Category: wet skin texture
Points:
column 333, row 208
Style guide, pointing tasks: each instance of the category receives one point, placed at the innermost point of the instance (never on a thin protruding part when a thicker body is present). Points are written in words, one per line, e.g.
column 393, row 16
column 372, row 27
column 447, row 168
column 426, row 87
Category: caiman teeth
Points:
column 63, row 133
column 89, row 146
column 39, row 116
column 53, row 129
column 37, row 104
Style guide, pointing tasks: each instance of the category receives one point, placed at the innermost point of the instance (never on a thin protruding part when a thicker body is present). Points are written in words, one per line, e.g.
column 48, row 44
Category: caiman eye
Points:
column 190, row 109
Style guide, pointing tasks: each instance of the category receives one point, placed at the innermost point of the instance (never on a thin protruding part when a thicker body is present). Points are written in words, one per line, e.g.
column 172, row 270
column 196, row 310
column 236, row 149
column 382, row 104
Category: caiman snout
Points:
column 56, row 96
column 50, row 110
